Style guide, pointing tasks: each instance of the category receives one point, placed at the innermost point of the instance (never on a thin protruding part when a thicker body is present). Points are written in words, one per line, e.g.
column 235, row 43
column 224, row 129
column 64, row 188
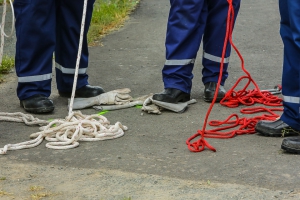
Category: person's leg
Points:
column 289, row 123
column 213, row 43
column 35, row 31
column 290, row 33
column 185, row 28
column 68, row 25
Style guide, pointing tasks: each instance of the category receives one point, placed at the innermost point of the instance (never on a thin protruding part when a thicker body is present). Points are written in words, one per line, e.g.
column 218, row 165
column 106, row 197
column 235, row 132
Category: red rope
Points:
column 234, row 99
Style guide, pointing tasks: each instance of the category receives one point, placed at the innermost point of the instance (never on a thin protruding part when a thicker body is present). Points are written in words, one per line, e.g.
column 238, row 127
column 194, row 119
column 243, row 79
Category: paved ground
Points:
column 151, row 161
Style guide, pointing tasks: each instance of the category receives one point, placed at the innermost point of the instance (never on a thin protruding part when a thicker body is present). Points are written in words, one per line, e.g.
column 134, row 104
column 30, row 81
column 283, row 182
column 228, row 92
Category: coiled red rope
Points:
column 233, row 99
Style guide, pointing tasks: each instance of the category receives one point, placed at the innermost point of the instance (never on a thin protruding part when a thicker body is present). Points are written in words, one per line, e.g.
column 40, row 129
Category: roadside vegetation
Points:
column 108, row 15
column 7, row 64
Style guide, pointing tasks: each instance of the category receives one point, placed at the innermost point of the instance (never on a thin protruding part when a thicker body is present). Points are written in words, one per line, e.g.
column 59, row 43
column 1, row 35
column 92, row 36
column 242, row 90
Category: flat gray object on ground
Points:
column 133, row 57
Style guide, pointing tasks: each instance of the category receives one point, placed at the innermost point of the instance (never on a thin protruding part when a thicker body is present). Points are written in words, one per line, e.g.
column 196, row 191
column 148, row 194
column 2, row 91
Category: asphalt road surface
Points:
column 151, row 161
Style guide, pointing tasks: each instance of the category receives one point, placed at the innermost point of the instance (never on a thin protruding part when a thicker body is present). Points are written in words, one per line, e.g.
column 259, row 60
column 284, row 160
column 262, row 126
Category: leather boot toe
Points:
column 172, row 95
column 84, row 92
column 291, row 144
column 209, row 92
column 37, row 104
column 275, row 128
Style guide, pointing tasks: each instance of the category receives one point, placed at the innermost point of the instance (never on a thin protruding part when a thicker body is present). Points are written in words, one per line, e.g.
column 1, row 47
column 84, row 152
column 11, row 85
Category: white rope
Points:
column 78, row 57
column 65, row 134
column 21, row 117
column 3, row 25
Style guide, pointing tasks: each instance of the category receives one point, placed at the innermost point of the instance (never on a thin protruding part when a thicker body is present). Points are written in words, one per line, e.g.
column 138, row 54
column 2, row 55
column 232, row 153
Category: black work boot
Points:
column 172, row 95
column 37, row 104
column 84, row 92
column 291, row 144
column 209, row 92
column 275, row 128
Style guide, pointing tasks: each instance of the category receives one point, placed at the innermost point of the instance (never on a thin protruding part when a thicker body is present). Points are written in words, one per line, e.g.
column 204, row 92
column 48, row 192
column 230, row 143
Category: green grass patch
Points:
column 7, row 1
column 109, row 15
column 7, row 64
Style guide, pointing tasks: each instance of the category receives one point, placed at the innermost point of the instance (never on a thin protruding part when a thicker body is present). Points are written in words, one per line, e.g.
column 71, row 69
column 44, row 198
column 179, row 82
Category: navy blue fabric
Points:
column 42, row 28
column 190, row 21
column 290, row 33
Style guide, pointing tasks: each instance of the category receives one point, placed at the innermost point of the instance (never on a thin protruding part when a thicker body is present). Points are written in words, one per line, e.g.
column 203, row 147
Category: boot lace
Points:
column 288, row 130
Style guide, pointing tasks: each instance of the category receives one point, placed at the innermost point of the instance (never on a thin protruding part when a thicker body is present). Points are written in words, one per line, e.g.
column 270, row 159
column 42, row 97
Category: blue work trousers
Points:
column 42, row 28
column 189, row 22
column 290, row 33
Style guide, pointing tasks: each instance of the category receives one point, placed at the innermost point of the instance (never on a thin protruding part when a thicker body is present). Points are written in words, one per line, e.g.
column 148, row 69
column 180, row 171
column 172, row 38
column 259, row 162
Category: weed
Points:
column 3, row 193
column 7, row 64
column 36, row 188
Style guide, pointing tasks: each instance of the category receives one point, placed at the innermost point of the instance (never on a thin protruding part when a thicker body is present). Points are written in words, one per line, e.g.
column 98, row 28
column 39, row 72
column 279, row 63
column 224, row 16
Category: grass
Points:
column 39, row 193
column 109, row 15
column 38, row 196
column 35, row 188
column 3, row 193
column 7, row 64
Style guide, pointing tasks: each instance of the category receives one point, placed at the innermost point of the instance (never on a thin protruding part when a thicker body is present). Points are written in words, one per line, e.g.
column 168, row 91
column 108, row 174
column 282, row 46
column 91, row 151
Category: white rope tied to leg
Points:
column 65, row 134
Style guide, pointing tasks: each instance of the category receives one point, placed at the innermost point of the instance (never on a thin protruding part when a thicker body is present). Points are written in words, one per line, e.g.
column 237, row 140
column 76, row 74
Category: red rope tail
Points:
column 200, row 145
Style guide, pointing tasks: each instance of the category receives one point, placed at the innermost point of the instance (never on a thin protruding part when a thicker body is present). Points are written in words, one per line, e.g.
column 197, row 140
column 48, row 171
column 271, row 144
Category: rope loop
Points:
column 200, row 144
column 234, row 99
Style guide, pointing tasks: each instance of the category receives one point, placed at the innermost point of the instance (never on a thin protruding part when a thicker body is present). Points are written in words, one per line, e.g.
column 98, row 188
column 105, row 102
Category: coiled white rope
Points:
column 65, row 133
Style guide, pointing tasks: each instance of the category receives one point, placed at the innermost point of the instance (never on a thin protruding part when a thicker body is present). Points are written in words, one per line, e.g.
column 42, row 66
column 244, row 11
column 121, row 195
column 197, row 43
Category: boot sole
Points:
column 208, row 99
column 68, row 95
column 181, row 98
column 65, row 94
column 290, row 150
column 268, row 134
column 38, row 110
column 184, row 99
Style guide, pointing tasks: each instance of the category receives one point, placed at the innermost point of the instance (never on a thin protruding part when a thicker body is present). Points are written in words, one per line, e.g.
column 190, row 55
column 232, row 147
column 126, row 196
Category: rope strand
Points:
column 3, row 34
